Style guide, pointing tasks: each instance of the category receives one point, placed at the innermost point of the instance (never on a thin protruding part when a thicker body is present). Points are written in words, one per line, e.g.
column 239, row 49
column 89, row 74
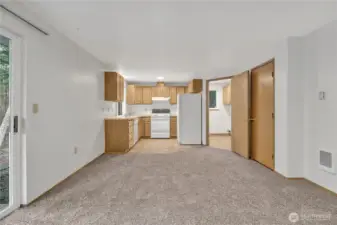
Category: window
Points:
column 212, row 99
column 120, row 108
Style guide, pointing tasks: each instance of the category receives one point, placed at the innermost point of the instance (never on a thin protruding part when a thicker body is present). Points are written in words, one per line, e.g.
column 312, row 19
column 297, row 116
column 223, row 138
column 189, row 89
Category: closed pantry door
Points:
column 262, row 114
column 240, row 114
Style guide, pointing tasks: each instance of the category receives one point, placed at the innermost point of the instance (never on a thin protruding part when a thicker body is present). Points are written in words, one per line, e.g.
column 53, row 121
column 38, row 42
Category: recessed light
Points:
column 160, row 78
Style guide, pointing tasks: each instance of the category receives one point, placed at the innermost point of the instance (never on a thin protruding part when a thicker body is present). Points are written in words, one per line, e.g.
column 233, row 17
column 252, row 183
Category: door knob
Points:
column 251, row 119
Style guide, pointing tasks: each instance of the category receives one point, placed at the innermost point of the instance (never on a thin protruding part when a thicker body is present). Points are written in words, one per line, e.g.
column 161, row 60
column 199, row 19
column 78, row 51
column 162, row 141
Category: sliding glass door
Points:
column 9, row 123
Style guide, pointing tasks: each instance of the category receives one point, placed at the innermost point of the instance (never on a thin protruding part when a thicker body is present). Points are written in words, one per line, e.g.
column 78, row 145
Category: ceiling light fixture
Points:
column 160, row 78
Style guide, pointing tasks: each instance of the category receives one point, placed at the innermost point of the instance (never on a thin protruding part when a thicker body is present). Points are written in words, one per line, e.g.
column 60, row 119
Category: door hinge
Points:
column 272, row 156
column 273, row 115
column 272, row 74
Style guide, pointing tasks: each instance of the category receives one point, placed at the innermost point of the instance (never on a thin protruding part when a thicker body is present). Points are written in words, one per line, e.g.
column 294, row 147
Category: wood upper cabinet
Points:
column 195, row 86
column 165, row 91
column 155, row 91
column 130, row 94
column 173, row 95
column 160, row 90
column 138, row 95
column 113, row 87
column 173, row 126
column 147, row 95
column 227, row 95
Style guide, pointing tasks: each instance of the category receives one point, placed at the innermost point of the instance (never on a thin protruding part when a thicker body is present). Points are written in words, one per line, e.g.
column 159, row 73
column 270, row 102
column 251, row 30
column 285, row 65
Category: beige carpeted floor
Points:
column 160, row 182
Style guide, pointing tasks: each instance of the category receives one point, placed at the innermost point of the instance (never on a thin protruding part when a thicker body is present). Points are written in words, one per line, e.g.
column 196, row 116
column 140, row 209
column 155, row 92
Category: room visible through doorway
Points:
column 219, row 106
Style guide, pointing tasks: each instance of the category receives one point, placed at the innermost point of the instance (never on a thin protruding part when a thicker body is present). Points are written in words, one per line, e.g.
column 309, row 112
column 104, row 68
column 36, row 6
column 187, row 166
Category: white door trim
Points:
column 16, row 109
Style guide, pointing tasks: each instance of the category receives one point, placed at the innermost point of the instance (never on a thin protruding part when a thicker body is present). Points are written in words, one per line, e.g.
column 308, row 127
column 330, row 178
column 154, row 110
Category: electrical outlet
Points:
column 75, row 150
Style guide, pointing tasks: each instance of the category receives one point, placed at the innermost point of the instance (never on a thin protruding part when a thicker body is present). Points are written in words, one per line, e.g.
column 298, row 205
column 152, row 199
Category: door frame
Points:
column 207, row 103
column 250, row 109
column 16, row 100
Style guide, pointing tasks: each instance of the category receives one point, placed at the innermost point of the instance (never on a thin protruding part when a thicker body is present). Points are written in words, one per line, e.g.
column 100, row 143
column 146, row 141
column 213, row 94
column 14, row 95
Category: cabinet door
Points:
column 180, row 90
column 173, row 127
column 155, row 91
column 138, row 95
column 147, row 129
column 130, row 95
column 121, row 88
column 147, row 95
column 165, row 92
column 227, row 95
column 173, row 95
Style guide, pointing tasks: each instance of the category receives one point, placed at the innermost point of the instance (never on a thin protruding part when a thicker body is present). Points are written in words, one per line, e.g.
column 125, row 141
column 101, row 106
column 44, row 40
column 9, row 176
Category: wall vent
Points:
column 326, row 161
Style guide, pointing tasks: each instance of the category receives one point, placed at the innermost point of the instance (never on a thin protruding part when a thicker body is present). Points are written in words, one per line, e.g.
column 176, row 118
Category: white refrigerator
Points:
column 189, row 119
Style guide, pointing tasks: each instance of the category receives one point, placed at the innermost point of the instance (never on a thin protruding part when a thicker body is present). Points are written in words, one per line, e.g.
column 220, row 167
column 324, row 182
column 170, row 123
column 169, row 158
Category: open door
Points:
column 262, row 113
column 240, row 114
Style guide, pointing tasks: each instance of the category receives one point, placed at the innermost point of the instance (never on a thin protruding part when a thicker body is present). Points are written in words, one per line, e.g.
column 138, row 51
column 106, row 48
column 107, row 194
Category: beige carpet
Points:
column 183, row 186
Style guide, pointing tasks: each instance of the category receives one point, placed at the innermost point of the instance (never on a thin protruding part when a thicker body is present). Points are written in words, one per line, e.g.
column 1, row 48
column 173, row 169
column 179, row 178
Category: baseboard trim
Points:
column 309, row 181
column 220, row 134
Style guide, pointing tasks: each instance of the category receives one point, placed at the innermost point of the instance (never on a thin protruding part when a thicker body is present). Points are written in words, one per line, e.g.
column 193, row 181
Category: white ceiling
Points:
column 177, row 40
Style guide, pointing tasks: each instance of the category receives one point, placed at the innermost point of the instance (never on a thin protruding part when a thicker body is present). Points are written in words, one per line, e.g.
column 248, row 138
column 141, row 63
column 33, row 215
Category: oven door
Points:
column 160, row 127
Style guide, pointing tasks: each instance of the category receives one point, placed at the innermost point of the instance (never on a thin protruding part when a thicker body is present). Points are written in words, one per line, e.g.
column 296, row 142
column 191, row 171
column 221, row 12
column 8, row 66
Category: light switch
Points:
column 321, row 95
column 35, row 108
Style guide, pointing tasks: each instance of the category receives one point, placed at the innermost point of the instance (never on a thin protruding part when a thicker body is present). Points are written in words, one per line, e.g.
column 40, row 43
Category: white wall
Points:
column 249, row 59
column 320, row 124
column 67, row 84
column 220, row 118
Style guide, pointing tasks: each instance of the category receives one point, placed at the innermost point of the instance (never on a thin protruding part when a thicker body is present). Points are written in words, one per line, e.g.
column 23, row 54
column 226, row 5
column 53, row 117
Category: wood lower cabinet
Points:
column 147, row 126
column 119, row 136
column 141, row 128
column 113, row 87
column 173, row 126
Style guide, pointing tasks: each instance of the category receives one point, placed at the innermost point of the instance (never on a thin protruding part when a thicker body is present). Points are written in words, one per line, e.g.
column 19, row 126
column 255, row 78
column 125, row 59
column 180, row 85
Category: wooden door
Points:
column 262, row 114
column 138, row 95
column 147, row 95
column 130, row 94
column 240, row 114
column 173, row 95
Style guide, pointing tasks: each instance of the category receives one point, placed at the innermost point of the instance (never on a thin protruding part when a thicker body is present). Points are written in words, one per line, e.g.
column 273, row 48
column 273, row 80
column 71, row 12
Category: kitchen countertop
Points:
column 129, row 117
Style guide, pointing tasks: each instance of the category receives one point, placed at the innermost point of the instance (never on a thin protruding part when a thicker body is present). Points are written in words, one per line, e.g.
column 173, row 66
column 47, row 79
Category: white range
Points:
column 160, row 123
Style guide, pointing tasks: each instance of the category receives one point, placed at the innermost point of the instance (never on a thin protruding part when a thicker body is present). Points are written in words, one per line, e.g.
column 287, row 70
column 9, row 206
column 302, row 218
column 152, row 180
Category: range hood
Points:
column 160, row 99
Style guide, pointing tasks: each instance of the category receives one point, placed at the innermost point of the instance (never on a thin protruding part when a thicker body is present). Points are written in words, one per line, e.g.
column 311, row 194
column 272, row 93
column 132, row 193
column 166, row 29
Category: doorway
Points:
column 219, row 113
column 10, row 101
column 262, row 114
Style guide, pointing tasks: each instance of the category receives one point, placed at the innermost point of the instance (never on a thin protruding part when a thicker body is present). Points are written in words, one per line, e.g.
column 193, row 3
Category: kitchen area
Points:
column 152, row 110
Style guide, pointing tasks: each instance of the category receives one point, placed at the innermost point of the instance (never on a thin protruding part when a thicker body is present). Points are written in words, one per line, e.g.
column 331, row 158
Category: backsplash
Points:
column 147, row 109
